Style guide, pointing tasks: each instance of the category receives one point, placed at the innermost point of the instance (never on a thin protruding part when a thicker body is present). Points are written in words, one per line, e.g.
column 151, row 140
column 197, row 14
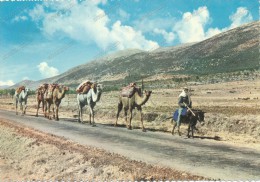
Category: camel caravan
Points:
column 49, row 97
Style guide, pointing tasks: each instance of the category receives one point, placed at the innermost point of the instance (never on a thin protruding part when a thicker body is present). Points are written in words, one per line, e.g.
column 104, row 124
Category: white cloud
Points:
column 148, row 25
column 19, row 18
column 123, row 14
column 168, row 36
column 47, row 71
column 87, row 23
column 191, row 27
column 26, row 78
column 241, row 16
column 6, row 83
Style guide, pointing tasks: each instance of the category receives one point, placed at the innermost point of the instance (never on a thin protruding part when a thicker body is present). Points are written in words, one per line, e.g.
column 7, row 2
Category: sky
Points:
column 41, row 39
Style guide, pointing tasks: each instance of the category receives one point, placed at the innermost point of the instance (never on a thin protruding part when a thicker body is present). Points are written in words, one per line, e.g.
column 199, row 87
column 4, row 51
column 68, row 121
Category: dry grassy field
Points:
column 232, row 117
column 232, row 110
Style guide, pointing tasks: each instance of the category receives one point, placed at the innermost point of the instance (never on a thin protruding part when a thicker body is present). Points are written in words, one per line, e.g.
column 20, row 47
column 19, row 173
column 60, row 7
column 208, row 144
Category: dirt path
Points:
column 29, row 154
column 200, row 157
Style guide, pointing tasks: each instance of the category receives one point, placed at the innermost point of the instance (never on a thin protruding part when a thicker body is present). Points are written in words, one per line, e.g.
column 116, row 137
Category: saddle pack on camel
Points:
column 129, row 91
column 84, row 87
column 183, row 113
column 19, row 89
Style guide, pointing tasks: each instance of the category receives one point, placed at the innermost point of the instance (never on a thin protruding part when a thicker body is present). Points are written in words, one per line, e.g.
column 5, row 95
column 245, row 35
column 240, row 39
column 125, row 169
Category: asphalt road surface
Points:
column 197, row 156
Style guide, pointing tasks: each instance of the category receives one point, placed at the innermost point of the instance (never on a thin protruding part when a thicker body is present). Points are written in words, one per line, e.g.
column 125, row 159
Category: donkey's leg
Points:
column 192, row 131
column 189, row 129
column 174, row 126
column 119, row 109
column 179, row 130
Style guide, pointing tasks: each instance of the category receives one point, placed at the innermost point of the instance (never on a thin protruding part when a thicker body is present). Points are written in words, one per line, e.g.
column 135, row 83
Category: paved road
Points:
column 197, row 156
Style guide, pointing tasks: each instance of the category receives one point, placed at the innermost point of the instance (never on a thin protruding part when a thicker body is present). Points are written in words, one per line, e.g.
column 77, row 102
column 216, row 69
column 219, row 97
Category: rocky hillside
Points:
column 229, row 52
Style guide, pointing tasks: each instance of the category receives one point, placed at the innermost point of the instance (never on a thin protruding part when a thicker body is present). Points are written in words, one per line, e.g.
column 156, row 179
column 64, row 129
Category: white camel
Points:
column 90, row 99
column 21, row 98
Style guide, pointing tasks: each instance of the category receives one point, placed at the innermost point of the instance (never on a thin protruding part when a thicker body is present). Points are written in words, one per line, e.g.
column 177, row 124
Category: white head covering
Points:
column 185, row 94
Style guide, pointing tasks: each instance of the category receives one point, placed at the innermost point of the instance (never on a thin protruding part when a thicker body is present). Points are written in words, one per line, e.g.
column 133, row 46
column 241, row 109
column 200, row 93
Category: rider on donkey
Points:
column 184, row 101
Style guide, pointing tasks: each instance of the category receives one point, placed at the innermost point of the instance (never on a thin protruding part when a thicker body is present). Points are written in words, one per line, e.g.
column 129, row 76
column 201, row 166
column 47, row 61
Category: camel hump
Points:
column 19, row 89
column 84, row 87
column 129, row 91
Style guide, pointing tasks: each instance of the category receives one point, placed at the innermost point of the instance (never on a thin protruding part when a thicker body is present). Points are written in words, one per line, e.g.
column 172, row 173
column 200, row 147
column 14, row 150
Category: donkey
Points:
column 191, row 118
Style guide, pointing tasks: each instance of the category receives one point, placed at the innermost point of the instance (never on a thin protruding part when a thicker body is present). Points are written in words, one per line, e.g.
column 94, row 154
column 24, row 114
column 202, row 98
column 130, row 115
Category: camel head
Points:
column 65, row 88
column 96, row 87
column 148, row 92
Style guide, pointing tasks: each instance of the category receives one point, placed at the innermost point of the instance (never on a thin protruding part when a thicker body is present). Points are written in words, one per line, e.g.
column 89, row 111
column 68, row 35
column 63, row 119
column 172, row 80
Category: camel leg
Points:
column 49, row 111
column 119, row 109
column 53, row 113
column 38, row 106
column 141, row 118
column 91, row 115
column 56, row 111
column 125, row 112
column 46, row 106
column 43, row 105
column 21, row 108
column 80, row 114
column 16, row 106
column 25, row 107
column 130, row 118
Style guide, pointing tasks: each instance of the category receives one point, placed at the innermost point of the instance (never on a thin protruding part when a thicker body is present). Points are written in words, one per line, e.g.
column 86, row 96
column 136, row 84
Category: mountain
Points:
column 4, row 86
column 28, row 83
column 228, row 52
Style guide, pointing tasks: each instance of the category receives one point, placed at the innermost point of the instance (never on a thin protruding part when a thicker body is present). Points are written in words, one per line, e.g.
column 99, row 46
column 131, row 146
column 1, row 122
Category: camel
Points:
column 53, row 97
column 20, row 96
column 129, row 104
column 90, row 98
column 40, row 97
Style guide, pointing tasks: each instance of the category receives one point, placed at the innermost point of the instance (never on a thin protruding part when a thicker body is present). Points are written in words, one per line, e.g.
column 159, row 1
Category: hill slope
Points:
column 230, row 51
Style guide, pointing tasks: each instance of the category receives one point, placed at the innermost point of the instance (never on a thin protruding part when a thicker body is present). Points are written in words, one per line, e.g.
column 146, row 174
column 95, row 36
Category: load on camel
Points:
column 129, row 99
column 89, row 94
column 52, row 98
column 20, row 96
column 41, row 90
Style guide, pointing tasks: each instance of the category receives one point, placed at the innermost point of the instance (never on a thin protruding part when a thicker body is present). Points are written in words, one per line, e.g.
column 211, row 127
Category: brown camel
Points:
column 40, row 97
column 129, row 104
column 53, row 97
